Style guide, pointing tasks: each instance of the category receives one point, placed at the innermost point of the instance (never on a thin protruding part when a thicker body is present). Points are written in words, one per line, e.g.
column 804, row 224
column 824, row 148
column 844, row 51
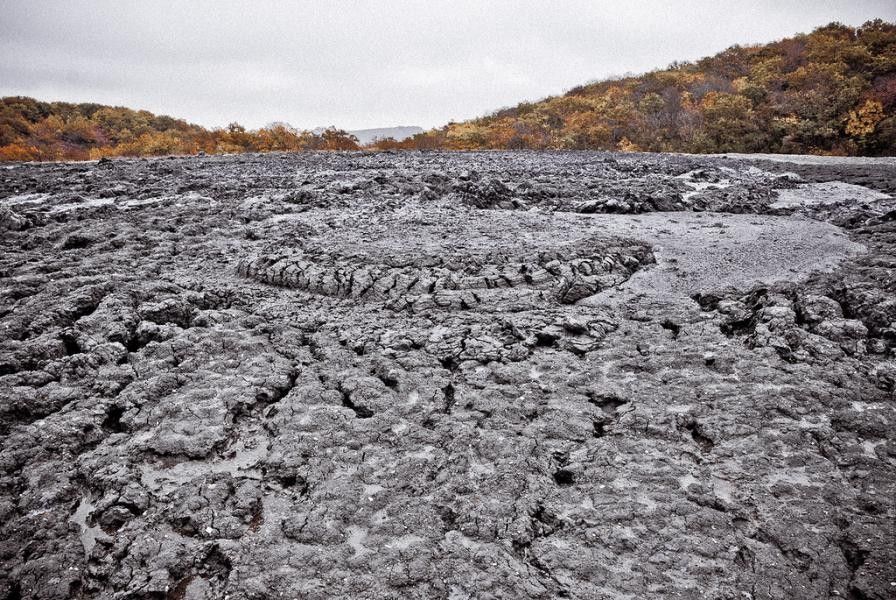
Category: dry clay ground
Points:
column 498, row 375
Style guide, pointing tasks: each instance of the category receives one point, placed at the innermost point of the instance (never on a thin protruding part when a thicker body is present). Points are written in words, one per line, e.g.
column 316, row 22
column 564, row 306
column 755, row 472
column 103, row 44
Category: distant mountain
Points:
column 399, row 134
column 367, row 136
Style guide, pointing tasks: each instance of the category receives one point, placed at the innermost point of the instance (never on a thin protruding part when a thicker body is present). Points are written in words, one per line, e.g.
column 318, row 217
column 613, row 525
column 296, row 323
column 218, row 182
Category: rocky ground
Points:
column 426, row 375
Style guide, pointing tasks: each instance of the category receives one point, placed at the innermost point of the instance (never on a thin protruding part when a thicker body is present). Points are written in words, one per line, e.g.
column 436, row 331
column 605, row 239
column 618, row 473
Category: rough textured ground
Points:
column 500, row 375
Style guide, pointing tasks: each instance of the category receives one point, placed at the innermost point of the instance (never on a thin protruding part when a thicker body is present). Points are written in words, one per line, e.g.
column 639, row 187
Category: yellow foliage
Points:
column 719, row 105
column 861, row 122
column 626, row 145
column 767, row 71
column 465, row 136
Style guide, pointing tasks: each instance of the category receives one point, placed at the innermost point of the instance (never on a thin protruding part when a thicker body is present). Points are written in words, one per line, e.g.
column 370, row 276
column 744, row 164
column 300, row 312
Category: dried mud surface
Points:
column 496, row 375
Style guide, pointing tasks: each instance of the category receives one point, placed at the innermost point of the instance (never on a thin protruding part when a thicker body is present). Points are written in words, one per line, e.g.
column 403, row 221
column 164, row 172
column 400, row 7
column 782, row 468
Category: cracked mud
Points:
column 426, row 375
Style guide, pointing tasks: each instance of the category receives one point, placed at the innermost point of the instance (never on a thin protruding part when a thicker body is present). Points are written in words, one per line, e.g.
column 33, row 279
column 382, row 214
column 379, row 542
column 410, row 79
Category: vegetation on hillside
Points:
column 832, row 91
column 34, row 130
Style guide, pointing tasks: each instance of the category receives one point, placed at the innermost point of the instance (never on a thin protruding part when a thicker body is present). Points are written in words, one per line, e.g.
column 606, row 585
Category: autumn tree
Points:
column 338, row 139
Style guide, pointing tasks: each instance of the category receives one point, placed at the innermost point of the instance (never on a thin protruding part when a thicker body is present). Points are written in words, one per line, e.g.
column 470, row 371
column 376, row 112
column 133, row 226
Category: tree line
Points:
column 35, row 130
column 832, row 91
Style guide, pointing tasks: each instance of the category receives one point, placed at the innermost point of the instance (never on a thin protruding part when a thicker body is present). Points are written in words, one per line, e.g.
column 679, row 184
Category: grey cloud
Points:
column 364, row 64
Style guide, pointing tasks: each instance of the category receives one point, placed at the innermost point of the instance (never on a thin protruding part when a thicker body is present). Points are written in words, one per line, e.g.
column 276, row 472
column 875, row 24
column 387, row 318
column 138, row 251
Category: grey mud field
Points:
column 428, row 375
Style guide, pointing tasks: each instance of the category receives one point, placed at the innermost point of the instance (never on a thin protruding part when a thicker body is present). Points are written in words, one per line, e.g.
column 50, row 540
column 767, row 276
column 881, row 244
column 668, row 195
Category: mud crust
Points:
column 446, row 375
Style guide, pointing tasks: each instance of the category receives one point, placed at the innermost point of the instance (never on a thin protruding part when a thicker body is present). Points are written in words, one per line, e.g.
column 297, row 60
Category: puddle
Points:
column 34, row 199
column 822, row 194
column 809, row 159
column 355, row 539
column 88, row 203
column 25, row 199
column 241, row 465
column 404, row 542
column 371, row 490
column 427, row 452
column 794, row 476
column 89, row 533
column 686, row 480
column 700, row 186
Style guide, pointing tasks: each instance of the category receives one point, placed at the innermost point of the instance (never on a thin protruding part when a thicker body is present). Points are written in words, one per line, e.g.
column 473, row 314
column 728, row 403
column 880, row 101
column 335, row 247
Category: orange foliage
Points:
column 18, row 151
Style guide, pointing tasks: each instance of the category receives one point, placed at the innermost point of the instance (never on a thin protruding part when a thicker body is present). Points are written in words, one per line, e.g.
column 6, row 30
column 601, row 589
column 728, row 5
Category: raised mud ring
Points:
column 415, row 282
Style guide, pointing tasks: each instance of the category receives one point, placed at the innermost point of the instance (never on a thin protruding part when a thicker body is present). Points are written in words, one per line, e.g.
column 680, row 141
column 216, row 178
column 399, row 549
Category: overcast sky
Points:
column 366, row 64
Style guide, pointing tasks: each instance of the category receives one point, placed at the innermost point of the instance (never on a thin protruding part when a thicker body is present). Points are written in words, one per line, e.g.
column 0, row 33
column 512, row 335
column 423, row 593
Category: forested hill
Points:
column 35, row 130
column 830, row 91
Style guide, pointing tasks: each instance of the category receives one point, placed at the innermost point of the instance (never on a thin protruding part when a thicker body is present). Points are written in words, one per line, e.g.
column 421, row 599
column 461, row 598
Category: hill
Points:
column 35, row 130
column 830, row 91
